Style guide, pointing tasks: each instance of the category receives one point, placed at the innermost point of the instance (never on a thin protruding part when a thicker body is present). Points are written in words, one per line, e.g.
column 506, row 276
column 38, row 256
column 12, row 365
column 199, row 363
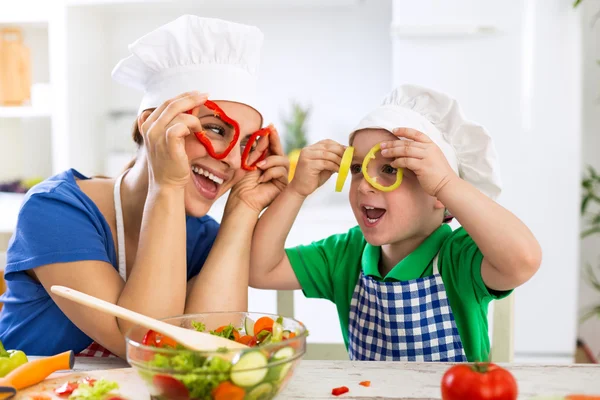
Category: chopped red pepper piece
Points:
column 339, row 391
column 365, row 383
column 66, row 389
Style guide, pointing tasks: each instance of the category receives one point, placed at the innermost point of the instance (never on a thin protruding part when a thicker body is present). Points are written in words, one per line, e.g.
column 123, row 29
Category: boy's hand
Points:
column 316, row 164
column 422, row 156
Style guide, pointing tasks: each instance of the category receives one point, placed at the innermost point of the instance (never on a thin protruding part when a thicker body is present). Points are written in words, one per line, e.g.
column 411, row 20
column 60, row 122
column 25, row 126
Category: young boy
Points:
column 406, row 287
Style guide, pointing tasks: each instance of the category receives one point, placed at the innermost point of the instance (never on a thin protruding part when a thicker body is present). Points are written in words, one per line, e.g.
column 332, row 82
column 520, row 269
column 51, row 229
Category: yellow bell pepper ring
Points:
column 373, row 180
column 344, row 168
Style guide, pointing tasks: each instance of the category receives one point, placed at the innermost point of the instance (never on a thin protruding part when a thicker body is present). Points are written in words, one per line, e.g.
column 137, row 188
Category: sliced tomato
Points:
column 150, row 339
column 157, row 340
column 170, row 387
column 66, row 389
column 89, row 380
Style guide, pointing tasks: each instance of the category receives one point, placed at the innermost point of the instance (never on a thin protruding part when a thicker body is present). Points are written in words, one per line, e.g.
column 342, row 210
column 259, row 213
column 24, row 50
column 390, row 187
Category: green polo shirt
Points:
column 329, row 269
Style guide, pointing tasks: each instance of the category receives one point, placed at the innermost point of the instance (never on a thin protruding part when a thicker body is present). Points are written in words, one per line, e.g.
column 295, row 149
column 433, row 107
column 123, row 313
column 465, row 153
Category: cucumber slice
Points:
column 286, row 334
column 284, row 353
column 250, row 369
column 278, row 373
column 264, row 391
column 249, row 326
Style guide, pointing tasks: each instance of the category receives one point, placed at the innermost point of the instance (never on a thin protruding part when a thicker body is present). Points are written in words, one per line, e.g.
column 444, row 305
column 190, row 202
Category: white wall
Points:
column 523, row 83
column 335, row 58
column 590, row 253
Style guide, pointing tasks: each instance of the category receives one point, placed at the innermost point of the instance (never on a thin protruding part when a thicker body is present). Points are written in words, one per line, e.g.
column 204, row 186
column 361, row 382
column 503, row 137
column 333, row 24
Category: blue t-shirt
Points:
column 58, row 223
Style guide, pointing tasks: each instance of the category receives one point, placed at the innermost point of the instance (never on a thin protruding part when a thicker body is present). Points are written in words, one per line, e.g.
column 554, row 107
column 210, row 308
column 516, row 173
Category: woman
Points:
column 143, row 241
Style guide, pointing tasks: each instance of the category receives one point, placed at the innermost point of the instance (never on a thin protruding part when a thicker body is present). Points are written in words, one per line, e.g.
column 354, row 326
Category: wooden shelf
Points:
column 441, row 31
column 23, row 112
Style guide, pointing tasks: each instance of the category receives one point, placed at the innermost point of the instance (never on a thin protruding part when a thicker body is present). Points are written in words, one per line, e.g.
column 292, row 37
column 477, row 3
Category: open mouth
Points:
column 372, row 215
column 206, row 182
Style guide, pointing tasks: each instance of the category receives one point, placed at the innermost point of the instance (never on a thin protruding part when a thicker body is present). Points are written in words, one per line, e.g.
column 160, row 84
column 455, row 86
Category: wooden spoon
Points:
column 193, row 340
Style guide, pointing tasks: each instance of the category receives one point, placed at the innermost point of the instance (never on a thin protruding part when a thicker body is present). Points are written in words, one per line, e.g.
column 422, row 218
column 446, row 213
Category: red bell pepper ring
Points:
column 201, row 136
column 260, row 133
column 339, row 391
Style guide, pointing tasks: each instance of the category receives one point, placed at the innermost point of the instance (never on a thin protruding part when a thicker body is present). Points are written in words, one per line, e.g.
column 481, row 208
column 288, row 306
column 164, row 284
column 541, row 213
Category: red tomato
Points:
column 478, row 382
column 170, row 387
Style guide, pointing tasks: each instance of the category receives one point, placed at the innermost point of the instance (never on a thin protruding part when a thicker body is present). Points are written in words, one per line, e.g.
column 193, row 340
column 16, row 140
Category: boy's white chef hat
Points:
column 467, row 146
column 209, row 55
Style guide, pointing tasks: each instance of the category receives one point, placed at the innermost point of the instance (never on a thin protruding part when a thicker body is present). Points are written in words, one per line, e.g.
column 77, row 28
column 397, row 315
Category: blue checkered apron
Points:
column 403, row 321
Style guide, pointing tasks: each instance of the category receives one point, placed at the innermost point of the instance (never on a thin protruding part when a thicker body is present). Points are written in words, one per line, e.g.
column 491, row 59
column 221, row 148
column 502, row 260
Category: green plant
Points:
column 295, row 129
column 590, row 210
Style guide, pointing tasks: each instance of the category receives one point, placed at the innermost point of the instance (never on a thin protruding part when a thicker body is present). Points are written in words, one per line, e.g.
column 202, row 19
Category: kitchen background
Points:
column 524, row 68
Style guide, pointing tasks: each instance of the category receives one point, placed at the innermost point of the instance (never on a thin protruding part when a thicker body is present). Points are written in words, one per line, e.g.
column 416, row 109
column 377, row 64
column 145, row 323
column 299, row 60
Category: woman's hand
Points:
column 258, row 188
column 164, row 133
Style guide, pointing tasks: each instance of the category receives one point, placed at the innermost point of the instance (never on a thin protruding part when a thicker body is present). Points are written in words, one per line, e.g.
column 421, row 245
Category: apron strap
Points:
column 120, row 227
column 436, row 271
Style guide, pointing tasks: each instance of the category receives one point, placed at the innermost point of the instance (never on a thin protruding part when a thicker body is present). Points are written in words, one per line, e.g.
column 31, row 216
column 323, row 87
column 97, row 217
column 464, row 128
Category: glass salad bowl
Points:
column 260, row 372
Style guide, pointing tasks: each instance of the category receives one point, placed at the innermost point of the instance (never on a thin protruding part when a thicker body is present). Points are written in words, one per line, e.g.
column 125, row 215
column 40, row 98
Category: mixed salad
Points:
column 256, row 374
column 89, row 389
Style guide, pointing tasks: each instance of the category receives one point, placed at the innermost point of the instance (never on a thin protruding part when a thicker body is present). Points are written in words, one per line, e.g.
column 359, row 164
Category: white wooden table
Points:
column 414, row 381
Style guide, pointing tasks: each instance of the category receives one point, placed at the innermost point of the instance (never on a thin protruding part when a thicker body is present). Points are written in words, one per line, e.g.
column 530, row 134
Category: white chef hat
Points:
column 209, row 55
column 467, row 145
